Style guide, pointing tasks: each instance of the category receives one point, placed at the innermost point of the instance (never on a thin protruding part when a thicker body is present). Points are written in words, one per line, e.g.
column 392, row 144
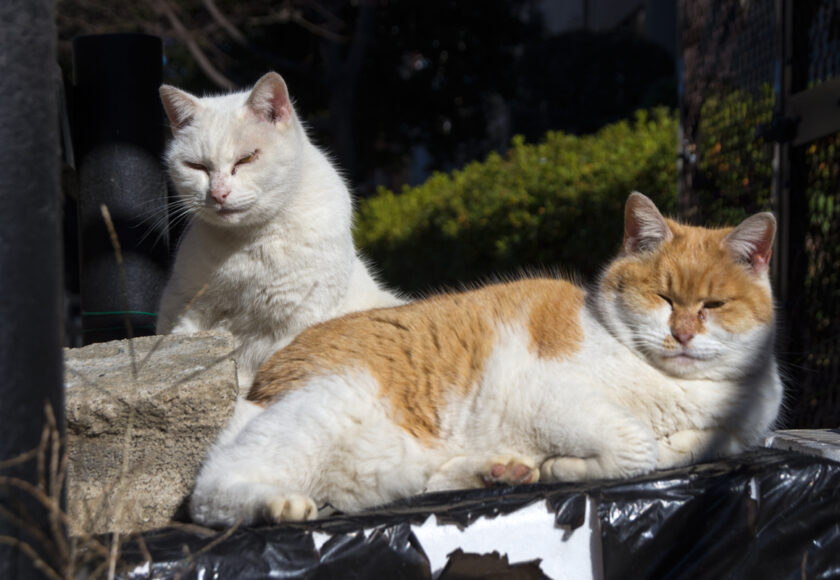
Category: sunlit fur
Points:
column 270, row 241
column 667, row 361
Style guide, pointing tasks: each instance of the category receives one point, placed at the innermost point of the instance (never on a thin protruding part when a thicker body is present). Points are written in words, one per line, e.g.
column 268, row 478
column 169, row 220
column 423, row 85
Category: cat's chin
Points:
column 683, row 359
column 229, row 213
column 680, row 364
column 225, row 216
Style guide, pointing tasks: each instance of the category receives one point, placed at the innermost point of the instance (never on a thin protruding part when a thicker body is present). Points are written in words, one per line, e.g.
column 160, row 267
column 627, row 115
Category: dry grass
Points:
column 48, row 543
column 58, row 557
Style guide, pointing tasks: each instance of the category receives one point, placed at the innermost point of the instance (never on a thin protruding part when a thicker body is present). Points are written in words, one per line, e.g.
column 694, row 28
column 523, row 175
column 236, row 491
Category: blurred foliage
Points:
column 819, row 303
column 735, row 163
column 732, row 179
column 557, row 204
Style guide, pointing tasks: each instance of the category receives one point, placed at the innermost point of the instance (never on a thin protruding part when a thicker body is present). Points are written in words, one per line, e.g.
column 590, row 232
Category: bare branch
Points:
column 218, row 540
column 195, row 50
column 297, row 18
column 115, row 554
column 225, row 22
column 42, row 498
column 144, row 549
column 115, row 243
column 325, row 12
column 59, row 535
column 22, row 458
column 180, row 314
column 285, row 15
column 28, row 527
column 30, row 552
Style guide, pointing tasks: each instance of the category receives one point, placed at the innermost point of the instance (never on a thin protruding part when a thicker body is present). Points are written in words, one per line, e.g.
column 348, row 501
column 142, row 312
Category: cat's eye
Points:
column 252, row 156
column 711, row 304
column 248, row 158
column 666, row 299
column 196, row 166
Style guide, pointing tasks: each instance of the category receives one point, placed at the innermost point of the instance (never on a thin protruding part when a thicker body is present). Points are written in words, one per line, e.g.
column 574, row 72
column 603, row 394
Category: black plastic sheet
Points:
column 767, row 514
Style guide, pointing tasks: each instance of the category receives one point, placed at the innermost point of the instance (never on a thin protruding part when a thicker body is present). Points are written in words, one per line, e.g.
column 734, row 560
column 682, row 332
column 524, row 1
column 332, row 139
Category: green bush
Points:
column 734, row 165
column 556, row 205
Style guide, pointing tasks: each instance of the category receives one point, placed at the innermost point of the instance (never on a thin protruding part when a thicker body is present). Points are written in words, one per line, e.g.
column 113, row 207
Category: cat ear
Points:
column 752, row 241
column 269, row 100
column 180, row 107
column 644, row 226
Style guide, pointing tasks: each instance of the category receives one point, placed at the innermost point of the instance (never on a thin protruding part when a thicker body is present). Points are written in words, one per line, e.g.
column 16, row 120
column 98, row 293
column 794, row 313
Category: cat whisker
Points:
column 160, row 211
column 163, row 219
column 160, row 225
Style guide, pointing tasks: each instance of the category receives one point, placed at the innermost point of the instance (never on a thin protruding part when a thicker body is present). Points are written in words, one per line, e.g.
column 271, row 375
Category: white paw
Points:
column 510, row 470
column 693, row 446
column 291, row 508
column 565, row 469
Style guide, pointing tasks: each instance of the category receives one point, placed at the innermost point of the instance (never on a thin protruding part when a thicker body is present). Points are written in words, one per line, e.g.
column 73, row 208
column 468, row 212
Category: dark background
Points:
column 398, row 89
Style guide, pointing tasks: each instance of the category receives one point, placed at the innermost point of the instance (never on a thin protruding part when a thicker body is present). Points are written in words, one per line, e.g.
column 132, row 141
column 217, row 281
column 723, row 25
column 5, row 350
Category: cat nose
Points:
column 683, row 336
column 220, row 194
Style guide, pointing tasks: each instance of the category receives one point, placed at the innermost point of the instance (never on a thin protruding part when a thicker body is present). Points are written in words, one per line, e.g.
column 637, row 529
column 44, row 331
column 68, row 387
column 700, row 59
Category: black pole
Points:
column 118, row 143
column 31, row 336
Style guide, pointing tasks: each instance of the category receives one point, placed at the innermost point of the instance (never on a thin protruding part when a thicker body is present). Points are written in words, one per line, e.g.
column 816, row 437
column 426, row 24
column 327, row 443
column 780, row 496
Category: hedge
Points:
column 555, row 205
column 735, row 165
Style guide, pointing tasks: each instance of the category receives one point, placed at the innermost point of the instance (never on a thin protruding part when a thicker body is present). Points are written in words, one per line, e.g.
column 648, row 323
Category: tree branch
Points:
column 195, row 50
column 224, row 22
column 297, row 18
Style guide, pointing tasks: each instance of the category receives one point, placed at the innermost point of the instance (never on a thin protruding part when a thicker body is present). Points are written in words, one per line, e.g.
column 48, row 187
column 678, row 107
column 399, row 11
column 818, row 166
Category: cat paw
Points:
column 695, row 445
column 565, row 469
column 291, row 508
column 510, row 471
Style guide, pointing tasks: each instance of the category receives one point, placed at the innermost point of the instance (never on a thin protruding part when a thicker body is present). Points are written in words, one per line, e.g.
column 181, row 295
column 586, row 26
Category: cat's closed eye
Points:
column 196, row 166
column 249, row 158
column 711, row 304
column 666, row 299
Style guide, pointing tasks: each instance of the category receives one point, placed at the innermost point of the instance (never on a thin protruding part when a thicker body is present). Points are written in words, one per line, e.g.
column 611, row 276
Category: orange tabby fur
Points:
column 421, row 352
column 694, row 268
column 668, row 360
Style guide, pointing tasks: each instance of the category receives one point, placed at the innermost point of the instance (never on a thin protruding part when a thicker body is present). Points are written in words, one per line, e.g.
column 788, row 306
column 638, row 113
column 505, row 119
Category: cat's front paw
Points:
column 291, row 508
column 683, row 447
column 510, row 471
column 696, row 445
column 565, row 469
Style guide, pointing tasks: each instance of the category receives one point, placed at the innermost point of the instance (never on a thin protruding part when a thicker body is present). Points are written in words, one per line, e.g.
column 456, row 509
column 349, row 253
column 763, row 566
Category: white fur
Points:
column 280, row 257
column 621, row 405
column 327, row 441
column 334, row 441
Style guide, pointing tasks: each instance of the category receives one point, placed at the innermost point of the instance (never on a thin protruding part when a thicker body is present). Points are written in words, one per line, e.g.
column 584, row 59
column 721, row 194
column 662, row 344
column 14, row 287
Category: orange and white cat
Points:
column 668, row 361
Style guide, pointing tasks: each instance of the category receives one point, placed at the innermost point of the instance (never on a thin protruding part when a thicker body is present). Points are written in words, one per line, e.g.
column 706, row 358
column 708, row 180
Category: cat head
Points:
column 695, row 302
column 234, row 159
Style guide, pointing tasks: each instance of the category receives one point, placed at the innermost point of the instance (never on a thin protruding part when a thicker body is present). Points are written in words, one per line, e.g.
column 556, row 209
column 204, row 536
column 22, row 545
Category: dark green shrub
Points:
column 735, row 166
column 556, row 205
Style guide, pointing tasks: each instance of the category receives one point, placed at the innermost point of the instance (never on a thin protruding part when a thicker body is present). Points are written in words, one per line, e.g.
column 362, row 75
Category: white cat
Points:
column 668, row 361
column 269, row 251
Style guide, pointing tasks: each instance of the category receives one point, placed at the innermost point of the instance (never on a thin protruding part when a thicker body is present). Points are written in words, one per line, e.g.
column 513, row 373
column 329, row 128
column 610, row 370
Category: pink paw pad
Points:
column 510, row 473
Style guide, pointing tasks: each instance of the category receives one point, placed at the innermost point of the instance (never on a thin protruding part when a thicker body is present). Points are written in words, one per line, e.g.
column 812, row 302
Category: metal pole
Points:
column 31, row 336
column 118, row 143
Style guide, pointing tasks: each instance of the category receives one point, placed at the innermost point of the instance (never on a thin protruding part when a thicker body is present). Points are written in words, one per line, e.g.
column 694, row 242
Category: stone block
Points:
column 136, row 441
